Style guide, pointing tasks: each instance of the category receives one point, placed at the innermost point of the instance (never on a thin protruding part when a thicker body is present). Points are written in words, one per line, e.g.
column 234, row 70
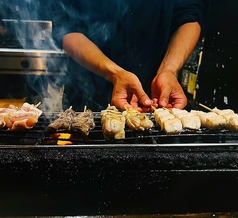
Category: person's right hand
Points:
column 168, row 91
column 128, row 93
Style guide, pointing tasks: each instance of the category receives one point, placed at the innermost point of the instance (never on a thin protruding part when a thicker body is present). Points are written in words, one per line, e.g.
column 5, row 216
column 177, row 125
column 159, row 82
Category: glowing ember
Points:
column 65, row 138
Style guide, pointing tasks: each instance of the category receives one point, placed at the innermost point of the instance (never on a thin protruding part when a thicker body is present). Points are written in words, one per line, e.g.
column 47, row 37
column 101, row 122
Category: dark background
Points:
column 217, row 78
column 217, row 83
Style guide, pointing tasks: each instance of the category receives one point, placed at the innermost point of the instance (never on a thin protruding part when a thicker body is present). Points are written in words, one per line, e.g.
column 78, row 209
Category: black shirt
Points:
column 134, row 34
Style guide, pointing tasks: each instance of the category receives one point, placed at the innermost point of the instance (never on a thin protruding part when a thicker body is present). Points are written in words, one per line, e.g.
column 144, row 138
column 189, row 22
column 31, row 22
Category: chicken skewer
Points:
column 19, row 118
column 113, row 123
column 167, row 121
column 220, row 118
column 136, row 120
column 189, row 120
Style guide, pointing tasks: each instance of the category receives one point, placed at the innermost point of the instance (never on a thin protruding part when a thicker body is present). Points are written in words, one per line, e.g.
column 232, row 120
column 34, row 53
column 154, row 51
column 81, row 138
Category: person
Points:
column 138, row 46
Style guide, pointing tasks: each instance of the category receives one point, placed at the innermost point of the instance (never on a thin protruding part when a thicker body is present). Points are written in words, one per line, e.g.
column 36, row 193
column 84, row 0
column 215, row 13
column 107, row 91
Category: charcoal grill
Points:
column 154, row 137
column 145, row 173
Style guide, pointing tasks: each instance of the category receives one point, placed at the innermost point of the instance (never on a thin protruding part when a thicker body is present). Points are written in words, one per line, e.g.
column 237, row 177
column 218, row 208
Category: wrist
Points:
column 116, row 74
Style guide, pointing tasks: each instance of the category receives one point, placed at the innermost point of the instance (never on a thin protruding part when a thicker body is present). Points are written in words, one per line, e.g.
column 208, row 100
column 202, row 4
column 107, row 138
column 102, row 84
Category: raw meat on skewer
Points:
column 15, row 118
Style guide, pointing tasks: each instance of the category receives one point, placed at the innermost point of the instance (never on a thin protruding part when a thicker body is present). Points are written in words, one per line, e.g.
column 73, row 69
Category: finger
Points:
column 143, row 109
column 155, row 101
column 143, row 98
column 180, row 103
column 163, row 99
column 121, row 105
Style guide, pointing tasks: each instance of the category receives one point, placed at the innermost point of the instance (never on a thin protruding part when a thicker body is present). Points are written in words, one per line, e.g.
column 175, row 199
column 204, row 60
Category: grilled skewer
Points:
column 113, row 123
column 221, row 119
column 136, row 120
column 84, row 122
column 167, row 121
column 63, row 122
column 69, row 120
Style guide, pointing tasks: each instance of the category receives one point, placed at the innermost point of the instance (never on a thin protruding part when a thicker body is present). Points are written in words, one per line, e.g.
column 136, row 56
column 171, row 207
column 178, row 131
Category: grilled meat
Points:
column 167, row 121
column 69, row 120
column 172, row 126
column 84, row 122
column 222, row 112
column 190, row 121
column 136, row 120
column 163, row 118
column 160, row 114
column 187, row 120
column 215, row 122
column 63, row 122
column 232, row 124
column 113, row 123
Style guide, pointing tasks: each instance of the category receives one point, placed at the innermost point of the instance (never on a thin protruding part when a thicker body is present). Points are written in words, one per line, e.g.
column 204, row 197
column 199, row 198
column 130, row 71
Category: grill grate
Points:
column 40, row 136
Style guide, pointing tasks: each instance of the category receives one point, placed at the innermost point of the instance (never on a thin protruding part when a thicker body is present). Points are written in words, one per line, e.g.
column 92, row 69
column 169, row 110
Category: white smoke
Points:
column 29, row 17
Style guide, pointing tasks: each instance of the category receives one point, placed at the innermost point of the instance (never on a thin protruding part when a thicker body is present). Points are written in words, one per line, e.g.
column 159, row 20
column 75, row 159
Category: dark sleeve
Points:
column 65, row 19
column 190, row 11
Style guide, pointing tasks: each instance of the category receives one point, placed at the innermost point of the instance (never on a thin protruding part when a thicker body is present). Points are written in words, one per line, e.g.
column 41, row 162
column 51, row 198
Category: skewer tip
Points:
column 204, row 106
column 153, row 108
column 37, row 105
column 85, row 108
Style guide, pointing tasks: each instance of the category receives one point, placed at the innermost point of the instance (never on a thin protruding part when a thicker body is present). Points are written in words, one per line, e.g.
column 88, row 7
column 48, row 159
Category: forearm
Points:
column 127, row 91
column 180, row 47
column 88, row 55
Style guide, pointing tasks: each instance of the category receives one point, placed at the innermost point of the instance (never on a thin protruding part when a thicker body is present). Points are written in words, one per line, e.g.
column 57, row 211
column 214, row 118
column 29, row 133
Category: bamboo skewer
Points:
column 153, row 108
column 37, row 105
column 204, row 106
column 85, row 108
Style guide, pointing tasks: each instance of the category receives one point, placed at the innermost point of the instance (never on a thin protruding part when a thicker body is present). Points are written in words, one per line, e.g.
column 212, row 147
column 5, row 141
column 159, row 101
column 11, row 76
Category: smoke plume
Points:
column 99, row 22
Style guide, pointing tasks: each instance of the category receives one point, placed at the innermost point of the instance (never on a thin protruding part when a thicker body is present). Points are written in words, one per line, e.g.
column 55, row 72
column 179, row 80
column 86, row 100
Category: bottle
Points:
column 185, row 75
column 192, row 80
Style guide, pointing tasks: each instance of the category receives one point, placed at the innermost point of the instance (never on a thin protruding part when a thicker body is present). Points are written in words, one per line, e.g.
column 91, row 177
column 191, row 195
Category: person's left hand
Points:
column 128, row 93
column 166, row 88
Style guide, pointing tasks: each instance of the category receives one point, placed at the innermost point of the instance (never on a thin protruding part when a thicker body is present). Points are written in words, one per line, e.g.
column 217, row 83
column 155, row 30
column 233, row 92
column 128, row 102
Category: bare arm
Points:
column 88, row 55
column 127, row 91
column 165, row 86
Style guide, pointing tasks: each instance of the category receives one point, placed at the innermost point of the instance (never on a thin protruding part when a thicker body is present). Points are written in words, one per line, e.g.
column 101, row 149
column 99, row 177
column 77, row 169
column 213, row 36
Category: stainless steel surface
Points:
column 31, row 61
column 25, row 33
column 27, row 48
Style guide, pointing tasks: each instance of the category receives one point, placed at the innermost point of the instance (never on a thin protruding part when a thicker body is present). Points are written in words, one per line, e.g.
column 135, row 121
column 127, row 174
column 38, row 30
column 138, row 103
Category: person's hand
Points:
column 128, row 93
column 168, row 91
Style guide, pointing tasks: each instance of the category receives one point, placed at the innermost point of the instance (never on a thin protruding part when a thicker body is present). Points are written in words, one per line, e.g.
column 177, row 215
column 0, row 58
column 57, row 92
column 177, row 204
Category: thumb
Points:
column 143, row 97
column 163, row 99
